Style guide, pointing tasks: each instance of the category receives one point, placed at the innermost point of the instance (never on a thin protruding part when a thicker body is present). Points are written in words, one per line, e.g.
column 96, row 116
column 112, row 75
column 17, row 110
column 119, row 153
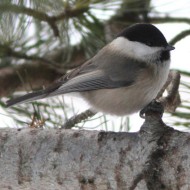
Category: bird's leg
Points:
column 153, row 106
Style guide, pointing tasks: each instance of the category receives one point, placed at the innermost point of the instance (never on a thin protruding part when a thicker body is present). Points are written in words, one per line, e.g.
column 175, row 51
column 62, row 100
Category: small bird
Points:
column 122, row 78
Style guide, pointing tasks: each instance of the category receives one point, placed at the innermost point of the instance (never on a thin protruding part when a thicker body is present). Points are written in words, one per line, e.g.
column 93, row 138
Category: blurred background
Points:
column 41, row 40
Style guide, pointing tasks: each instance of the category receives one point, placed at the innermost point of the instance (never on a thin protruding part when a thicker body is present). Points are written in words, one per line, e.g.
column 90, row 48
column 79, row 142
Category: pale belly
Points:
column 123, row 101
column 126, row 100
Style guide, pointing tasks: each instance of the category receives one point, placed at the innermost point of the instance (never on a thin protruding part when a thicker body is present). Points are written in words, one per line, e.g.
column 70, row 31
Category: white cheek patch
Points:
column 135, row 50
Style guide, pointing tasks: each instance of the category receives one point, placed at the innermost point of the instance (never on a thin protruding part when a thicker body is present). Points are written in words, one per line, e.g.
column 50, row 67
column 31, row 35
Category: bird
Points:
column 121, row 78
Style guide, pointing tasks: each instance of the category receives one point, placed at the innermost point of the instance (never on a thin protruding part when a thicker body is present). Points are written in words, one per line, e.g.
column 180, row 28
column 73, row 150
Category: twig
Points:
column 172, row 100
column 179, row 37
column 167, row 19
column 77, row 119
column 9, row 52
column 51, row 20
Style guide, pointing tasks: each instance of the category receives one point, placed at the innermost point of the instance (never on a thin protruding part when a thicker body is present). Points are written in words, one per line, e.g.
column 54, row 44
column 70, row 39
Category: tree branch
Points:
column 153, row 158
column 172, row 100
column 71, row 122
column 51, row 20
column 7, row 51
column 179, row 37
column 168, row 19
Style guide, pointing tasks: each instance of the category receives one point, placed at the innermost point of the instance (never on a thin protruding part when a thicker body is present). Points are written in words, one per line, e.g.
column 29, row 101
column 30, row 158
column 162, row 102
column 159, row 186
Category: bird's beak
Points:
column 169, row 48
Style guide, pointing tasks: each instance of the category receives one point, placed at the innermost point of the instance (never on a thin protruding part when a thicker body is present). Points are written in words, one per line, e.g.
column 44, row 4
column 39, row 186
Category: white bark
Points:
column 49, row 159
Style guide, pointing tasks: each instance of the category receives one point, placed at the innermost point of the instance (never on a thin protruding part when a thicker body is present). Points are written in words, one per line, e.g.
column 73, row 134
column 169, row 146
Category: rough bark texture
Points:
column 155, row 158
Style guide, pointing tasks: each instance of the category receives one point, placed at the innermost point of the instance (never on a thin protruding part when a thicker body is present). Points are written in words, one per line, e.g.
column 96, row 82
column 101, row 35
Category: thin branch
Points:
column 172, row 100
column 167, row 19
column 51, row 20
column 153, row 19
column 77, row 119
column 180, row 36
column 7, row 51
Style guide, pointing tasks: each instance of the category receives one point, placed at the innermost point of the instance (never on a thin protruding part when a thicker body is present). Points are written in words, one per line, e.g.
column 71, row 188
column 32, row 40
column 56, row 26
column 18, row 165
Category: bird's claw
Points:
column 153, row 106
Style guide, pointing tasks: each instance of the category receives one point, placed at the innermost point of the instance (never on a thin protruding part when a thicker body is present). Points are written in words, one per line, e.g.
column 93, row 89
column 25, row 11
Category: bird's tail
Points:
column 26, row 98
column 32, row 96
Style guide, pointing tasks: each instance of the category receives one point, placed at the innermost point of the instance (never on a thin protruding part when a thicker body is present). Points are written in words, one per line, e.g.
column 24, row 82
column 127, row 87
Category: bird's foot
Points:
column 153, row 106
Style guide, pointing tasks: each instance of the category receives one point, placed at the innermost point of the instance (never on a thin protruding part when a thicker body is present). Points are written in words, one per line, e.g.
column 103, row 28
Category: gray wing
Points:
column 90, row 81
column 113, row 72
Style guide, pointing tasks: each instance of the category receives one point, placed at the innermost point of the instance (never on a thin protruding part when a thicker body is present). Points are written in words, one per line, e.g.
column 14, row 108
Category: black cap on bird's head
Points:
column 147, row 34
